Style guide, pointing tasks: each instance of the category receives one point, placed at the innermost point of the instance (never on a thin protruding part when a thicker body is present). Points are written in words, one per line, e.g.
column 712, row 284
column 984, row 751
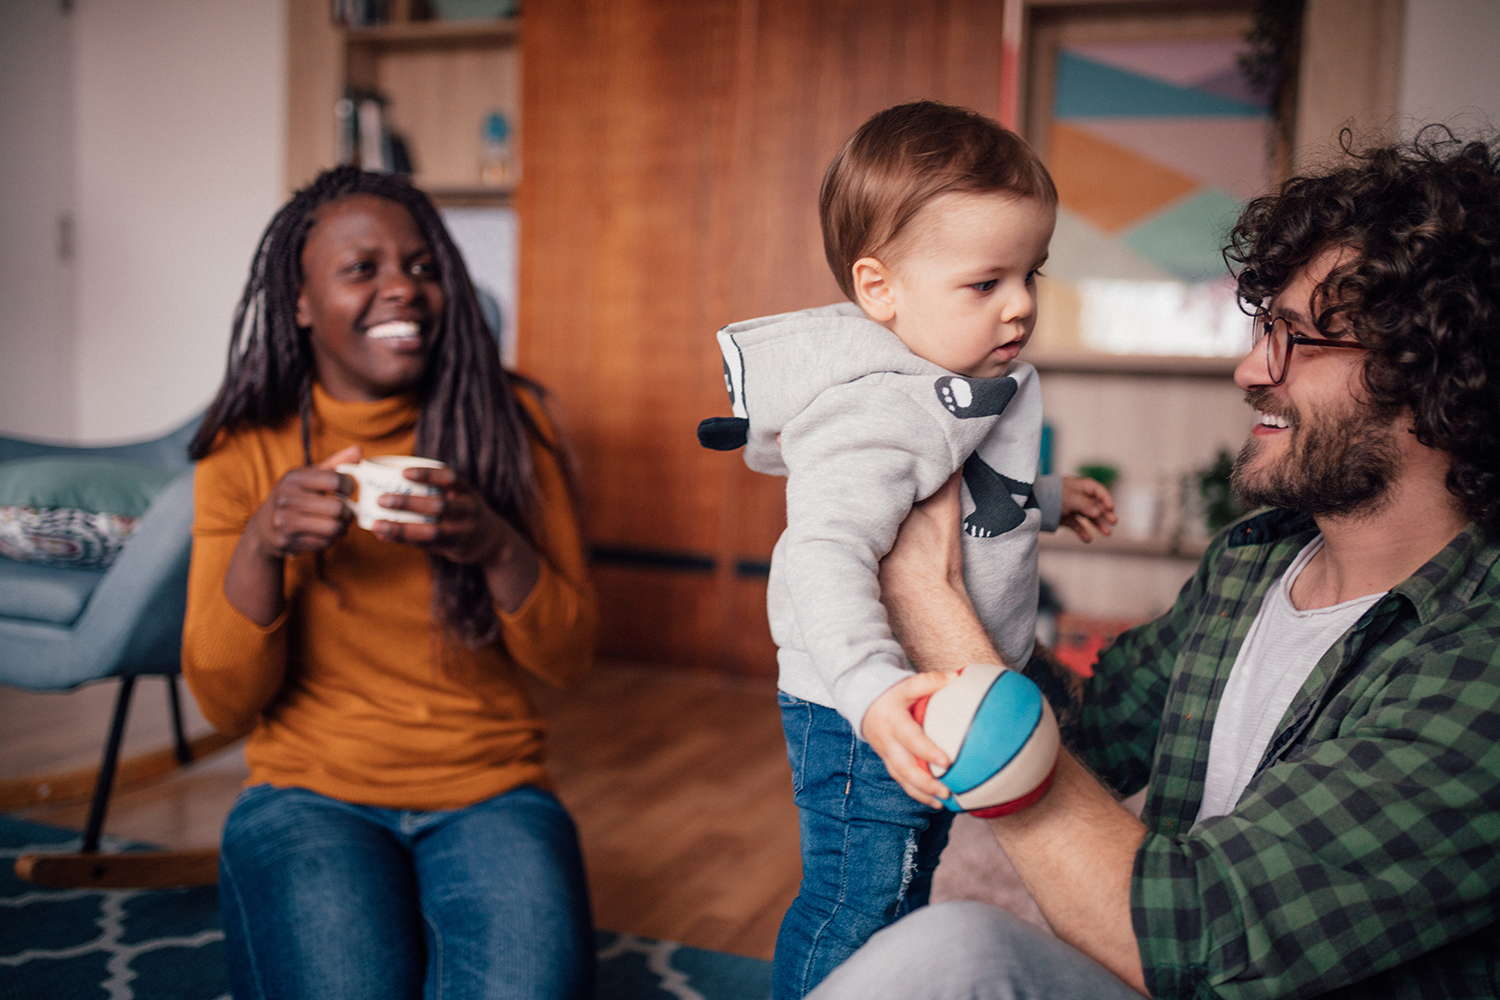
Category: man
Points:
column 1317, row 719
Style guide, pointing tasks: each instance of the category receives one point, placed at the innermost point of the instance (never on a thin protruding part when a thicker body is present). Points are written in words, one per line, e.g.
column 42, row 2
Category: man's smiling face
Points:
column 1318, row 445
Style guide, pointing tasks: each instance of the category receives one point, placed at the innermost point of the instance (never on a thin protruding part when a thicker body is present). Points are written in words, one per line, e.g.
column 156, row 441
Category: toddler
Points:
column 935, row 222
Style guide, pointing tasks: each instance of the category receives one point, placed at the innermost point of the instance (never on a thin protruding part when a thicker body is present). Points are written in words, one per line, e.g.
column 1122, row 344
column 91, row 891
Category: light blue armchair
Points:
column 60, row 628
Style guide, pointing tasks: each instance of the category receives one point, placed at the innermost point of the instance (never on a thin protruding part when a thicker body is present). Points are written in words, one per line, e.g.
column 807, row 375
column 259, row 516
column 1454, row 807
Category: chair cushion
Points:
column 99, row 486
column 69, row 539
column 44, row 593
column 73, row 512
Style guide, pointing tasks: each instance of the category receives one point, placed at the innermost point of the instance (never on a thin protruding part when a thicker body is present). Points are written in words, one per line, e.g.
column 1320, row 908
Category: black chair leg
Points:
column 184, row 752
column 106, row 778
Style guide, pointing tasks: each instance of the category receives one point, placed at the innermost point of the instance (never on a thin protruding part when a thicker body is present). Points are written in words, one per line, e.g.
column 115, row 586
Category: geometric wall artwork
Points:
column 1154, row 145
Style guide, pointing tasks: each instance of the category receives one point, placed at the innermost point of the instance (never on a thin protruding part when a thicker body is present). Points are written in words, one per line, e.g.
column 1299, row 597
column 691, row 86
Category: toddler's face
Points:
column 963, row 289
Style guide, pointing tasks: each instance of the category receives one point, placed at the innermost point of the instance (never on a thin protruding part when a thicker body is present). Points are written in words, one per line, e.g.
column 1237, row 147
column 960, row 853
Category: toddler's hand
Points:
column 1087, row 507
column 891, row 731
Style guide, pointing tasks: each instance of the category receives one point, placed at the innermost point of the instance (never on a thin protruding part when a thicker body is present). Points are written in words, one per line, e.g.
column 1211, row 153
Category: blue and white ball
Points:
column 1000, row 733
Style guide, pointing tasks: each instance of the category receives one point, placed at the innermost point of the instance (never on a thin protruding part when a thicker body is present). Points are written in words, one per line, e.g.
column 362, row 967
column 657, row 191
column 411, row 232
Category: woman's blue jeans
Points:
column 868, row 848
column 327, row 900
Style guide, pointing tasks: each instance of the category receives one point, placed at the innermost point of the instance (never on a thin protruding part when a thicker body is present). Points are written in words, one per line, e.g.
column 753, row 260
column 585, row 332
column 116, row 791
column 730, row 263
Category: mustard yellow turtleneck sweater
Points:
column 354, row 692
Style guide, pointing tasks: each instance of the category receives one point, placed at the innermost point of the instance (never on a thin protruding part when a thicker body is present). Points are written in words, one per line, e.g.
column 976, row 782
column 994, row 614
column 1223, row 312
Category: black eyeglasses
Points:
column 1279, row 338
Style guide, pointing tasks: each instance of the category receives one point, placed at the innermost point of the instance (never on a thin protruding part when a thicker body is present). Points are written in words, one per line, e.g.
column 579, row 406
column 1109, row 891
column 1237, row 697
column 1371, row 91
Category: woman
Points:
column 396, row 837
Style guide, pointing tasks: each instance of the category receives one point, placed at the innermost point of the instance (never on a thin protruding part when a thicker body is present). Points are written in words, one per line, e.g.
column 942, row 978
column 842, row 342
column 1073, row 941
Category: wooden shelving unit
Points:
column 419, row 33
column 441, row 79
column 1064, row 540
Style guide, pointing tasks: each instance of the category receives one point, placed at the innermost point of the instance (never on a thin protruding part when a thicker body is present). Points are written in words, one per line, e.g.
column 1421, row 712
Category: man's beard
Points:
column 1337, row 464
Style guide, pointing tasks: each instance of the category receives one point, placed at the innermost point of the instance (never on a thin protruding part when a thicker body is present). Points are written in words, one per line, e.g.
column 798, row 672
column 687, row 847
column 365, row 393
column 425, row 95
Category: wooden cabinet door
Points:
column 673, row 154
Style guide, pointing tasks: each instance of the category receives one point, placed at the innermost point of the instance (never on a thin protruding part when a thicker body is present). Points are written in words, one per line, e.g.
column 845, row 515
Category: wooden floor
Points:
column 680, row 786
column 678, row 781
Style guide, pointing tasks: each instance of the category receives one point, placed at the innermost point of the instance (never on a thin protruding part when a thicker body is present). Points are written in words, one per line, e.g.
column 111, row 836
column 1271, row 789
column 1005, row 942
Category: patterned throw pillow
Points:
column 75, row 539
column 71, row 511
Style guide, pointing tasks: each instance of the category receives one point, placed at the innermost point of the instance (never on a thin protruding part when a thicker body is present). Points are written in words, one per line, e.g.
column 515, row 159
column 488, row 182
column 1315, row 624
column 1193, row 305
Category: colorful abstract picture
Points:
column 1155, row 146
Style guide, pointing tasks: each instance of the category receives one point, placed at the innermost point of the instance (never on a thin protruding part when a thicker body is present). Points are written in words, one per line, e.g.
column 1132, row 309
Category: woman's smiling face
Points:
column 371, row 297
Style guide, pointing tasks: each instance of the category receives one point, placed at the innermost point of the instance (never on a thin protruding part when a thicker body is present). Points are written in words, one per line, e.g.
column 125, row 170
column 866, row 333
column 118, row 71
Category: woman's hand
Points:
column 305, row 512
column 893, row 733
column 465, row 530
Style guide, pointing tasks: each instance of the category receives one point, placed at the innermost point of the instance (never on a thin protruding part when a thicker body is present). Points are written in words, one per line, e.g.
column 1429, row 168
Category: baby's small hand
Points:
column 891, row 731
column 1087, row 507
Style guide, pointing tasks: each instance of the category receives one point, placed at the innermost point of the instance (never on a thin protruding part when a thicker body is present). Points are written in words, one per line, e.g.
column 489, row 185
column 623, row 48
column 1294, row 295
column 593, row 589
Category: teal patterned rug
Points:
column 119, row 944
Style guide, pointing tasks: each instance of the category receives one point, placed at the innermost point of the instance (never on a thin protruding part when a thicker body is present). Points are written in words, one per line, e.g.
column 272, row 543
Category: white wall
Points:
column 36, row 181
column 179, row 137
column 1450, row 62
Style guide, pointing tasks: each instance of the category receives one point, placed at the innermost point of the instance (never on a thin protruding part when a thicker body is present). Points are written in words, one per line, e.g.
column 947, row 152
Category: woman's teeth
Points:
column 393, row 330
column 1271, row 420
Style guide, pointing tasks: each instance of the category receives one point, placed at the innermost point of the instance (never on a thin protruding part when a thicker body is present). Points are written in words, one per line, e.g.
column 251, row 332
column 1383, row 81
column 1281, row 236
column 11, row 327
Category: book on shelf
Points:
column 365, row 136
column 360, row 13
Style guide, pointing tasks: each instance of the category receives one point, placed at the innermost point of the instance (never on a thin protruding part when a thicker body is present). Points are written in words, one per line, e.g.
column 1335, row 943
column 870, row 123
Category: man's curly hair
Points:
column 1421, row 291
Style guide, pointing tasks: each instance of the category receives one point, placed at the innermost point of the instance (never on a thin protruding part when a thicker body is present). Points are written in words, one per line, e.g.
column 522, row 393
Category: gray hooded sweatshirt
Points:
column 867, row 429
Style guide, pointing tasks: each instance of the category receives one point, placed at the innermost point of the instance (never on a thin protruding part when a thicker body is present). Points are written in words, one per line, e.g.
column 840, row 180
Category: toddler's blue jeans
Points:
column 327, row 900
column 868, row 848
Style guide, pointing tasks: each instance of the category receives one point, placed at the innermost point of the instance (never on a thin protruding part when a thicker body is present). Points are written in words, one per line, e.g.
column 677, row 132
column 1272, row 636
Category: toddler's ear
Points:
column 874, row 291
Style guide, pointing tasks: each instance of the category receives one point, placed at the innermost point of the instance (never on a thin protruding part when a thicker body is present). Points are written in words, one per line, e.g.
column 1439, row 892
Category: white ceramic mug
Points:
column 384, row 474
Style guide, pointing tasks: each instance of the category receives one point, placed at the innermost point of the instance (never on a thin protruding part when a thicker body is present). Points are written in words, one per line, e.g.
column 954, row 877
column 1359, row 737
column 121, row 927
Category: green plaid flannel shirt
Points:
column 1364, row 858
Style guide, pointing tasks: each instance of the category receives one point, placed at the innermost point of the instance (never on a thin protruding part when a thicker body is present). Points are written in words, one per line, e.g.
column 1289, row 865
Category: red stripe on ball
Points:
column 919, row 708
column 1016, row 805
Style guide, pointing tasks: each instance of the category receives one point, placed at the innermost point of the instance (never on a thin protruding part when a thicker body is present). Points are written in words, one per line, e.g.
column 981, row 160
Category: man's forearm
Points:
column 1075, row 851
column 940, row 631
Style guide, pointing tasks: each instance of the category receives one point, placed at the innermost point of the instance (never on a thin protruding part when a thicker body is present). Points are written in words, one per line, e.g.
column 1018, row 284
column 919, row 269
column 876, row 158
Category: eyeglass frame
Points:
column 1266, row 331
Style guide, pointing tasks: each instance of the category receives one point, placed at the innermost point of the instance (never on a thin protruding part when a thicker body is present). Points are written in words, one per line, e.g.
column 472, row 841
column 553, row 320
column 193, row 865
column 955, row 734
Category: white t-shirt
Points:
column 1279, row 653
